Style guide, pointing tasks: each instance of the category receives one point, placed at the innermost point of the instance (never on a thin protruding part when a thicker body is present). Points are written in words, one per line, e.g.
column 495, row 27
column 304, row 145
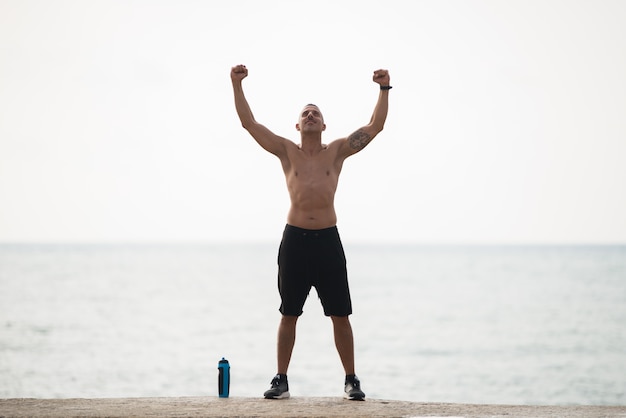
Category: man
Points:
column 311, row 253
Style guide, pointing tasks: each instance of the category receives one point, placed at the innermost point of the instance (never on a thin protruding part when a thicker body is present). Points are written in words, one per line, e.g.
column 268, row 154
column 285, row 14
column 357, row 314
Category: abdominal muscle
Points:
column 312, row 219
column 312, row 200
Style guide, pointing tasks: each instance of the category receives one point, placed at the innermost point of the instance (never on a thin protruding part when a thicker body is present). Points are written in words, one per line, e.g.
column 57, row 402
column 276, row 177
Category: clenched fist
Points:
column 381, row 77
column 238, row 72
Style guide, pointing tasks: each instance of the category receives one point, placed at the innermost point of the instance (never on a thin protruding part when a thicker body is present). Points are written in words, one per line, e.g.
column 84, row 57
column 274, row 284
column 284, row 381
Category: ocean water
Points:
column 522, row 325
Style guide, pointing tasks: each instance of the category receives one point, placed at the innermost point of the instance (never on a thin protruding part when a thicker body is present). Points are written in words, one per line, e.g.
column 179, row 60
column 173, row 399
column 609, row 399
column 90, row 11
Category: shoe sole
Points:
column 353, row 398
column 283, row 395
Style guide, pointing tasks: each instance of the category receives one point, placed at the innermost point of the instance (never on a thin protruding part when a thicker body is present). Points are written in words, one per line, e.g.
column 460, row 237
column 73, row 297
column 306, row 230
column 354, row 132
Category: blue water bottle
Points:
column 223, row 380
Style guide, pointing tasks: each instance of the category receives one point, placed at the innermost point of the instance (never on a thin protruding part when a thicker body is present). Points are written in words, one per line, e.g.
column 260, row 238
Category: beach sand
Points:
column 295, row 407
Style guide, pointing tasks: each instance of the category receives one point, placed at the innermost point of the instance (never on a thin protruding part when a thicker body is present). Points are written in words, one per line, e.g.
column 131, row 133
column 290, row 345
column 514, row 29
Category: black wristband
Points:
column 386, row 87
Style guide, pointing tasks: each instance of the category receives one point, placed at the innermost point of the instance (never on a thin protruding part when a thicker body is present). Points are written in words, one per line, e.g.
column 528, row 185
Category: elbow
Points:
column 378, row 127
column 247, row 124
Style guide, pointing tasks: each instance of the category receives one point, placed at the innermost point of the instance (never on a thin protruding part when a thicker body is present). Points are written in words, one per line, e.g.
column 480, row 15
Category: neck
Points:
column 311, row 142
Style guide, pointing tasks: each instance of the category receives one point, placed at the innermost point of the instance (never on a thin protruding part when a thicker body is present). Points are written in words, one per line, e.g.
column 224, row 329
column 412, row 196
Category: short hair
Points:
column 314, row 105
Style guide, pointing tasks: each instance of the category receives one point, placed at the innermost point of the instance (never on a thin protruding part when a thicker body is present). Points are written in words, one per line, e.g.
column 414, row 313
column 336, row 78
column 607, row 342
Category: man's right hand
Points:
column 238, row 72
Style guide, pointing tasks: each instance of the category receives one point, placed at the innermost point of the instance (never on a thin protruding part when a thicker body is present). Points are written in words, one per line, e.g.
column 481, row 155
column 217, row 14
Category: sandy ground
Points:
column 294, row 407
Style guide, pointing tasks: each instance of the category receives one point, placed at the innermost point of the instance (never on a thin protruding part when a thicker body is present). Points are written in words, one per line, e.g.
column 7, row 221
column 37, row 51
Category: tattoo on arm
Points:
column 359, row 139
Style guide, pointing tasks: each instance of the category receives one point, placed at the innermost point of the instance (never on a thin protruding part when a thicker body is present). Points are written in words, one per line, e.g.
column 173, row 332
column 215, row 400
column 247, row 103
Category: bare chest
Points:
column 317, row 171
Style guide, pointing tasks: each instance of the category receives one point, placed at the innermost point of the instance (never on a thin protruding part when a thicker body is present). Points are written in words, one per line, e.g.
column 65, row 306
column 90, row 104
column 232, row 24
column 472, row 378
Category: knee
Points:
column 288, row 320
column 341, row 321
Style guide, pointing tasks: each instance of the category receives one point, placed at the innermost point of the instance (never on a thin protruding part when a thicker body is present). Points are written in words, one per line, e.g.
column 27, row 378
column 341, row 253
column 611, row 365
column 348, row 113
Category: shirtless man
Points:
column 311, row 253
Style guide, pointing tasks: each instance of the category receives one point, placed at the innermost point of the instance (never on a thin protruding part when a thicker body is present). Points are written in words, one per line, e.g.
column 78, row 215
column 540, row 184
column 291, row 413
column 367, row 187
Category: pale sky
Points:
column 507, row 119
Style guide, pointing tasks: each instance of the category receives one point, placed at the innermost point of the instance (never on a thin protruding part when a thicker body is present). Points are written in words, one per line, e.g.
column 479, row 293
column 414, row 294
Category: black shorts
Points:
column 316, row 258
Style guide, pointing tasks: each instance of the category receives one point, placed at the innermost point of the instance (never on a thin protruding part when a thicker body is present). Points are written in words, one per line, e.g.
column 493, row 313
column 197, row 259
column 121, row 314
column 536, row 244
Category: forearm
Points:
column 377, row 122
column 241, row 105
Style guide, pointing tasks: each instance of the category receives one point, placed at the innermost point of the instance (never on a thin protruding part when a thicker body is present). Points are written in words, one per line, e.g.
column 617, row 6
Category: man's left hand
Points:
column 381, row 77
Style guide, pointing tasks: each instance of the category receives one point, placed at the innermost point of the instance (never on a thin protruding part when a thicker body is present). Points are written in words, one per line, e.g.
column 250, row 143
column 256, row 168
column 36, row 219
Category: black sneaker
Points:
column 279, row 389
column 352, row 390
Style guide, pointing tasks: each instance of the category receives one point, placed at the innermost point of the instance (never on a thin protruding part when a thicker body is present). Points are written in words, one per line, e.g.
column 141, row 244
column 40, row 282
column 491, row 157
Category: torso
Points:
column 312, row 181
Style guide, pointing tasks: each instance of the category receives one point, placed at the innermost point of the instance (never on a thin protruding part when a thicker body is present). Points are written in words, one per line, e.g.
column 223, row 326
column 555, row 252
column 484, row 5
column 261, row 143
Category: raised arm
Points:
column 360, row 138
column 265, row 138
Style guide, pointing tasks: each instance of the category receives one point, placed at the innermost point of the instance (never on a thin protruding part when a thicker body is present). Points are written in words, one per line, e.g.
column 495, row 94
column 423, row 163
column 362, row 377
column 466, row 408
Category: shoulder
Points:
column 341, row 148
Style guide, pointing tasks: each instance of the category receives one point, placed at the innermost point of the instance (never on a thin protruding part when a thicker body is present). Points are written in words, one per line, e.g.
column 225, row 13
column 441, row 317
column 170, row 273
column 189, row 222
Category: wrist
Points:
column 385, row 87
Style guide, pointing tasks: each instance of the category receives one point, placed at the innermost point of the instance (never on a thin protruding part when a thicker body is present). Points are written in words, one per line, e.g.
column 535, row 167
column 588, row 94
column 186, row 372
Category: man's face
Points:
column 311, row 120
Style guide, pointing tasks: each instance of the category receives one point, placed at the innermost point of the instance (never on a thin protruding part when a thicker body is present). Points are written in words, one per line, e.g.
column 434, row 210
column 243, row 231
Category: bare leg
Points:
column 344, row 341
column 286, row 341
